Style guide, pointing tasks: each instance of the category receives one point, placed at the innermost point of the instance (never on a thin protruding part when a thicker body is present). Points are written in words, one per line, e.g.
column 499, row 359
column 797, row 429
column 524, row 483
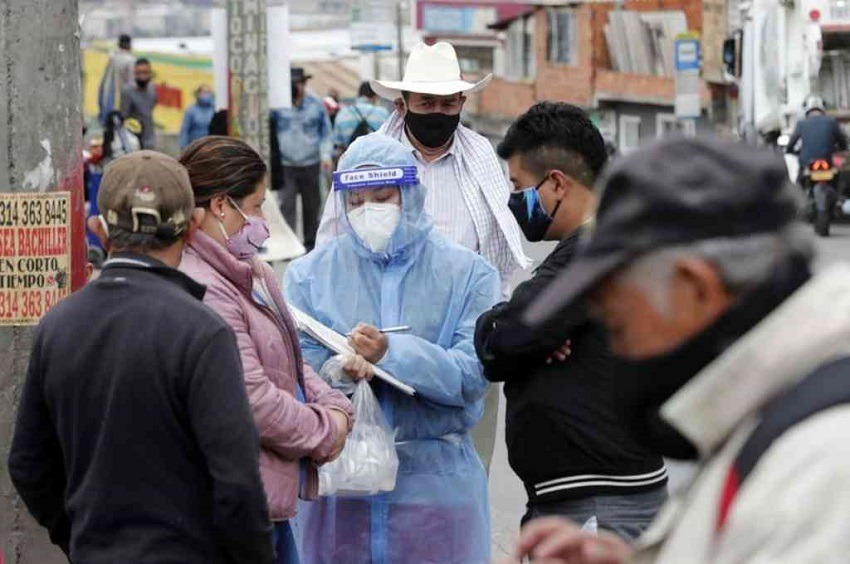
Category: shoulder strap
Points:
column 828, row 386
column 357, row 111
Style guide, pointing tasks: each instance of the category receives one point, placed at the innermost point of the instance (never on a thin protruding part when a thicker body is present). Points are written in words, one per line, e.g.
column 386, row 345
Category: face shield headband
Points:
column 365, row 178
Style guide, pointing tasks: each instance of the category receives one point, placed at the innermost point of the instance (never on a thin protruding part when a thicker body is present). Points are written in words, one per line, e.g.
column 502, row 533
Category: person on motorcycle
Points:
column 818, row 135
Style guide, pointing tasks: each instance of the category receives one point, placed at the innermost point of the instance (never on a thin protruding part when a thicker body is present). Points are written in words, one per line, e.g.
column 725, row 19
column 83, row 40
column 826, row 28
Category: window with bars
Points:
column 629, row 133
column 668, row 125
column 839, row 10
column 519, row 50
column 562, row 36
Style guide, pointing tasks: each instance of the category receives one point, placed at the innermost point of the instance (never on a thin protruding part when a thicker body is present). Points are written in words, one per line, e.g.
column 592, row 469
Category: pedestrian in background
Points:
column 728, row 352
column 358, row 119
column 117, row 76
column 119, row 137
column 564, row 438
column 196, row 120
column 304, row 142
column 391, row 268
column 134, row 440
column 138, row 101
column 333, row 104
column 301, row 421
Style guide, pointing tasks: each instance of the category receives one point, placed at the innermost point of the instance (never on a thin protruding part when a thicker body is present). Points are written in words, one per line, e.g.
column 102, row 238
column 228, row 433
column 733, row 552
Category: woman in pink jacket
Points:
column 301, row 421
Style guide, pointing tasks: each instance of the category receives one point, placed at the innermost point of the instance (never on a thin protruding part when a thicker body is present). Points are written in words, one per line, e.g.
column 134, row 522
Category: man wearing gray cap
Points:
column 134, row 440
column 728, row 351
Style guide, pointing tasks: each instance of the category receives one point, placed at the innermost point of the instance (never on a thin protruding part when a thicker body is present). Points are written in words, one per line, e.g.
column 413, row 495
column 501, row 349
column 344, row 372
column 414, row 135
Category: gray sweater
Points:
column 139, row 103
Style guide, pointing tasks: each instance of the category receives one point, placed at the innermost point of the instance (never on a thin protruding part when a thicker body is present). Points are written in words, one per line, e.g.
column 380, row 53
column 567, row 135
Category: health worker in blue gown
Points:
column 390, row 268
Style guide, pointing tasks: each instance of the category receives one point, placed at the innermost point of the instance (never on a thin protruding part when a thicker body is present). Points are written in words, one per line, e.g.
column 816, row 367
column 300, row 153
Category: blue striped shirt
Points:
column 347, row 120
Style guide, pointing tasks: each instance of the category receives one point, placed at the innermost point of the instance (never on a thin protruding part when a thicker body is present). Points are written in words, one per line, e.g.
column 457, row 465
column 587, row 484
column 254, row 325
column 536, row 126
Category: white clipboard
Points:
column 339, row 344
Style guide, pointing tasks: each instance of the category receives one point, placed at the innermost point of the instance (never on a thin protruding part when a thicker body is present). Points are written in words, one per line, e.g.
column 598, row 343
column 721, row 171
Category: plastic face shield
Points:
column 349, row 186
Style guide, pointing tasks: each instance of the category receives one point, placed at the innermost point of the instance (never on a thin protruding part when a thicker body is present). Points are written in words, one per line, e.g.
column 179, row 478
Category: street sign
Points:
column 688, row 62
column 372, row 25
column 687, row 54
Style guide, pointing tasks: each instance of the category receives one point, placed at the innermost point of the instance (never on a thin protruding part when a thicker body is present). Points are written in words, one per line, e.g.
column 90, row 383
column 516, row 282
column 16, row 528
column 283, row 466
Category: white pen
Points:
column 397, row 329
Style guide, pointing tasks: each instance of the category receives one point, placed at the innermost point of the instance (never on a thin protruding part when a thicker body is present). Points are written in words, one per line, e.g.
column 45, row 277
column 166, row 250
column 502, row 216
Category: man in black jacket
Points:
column 134, row 440
column 564, row 439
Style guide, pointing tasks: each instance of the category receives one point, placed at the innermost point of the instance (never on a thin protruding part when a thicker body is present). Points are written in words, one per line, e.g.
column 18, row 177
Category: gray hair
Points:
column 742, row 262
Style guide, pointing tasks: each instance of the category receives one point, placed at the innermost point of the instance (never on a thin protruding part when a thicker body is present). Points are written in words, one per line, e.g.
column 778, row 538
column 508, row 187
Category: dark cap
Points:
column 146, row 192
column 297, row 74
column 674, row 193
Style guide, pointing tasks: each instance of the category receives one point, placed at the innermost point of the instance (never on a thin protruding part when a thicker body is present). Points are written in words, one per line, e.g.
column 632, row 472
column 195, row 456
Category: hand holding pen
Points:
column 370, row 342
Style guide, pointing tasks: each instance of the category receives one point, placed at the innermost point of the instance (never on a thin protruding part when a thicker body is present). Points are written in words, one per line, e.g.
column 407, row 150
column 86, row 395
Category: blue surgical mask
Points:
column 529, row 212
column 205, row 99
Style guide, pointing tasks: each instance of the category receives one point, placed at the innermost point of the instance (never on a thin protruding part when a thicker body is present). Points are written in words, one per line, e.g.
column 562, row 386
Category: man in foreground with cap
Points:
column 134, row 440
column 467, row 188
column 727, row 350
column 303, row 134
column 564, row 440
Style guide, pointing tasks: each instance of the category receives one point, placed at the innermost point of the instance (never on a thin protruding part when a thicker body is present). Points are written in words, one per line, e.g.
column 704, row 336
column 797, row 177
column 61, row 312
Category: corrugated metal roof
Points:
column 643, row 42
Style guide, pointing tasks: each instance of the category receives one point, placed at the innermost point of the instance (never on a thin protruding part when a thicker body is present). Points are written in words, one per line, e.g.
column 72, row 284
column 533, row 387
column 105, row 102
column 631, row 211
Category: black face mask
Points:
column 142, row 83
column 432, row 130
column 641, row 387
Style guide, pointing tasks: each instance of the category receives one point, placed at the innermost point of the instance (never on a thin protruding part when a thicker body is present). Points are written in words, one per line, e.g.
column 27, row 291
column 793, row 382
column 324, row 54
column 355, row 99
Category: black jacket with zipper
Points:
column 134, row 439
column 564, row 439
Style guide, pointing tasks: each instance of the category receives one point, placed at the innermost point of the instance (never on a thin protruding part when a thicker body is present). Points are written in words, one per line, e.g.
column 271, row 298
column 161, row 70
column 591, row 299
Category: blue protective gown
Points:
column 439, row 509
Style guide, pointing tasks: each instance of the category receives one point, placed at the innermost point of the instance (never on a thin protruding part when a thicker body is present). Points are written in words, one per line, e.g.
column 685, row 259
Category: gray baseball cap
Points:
column 146, row 192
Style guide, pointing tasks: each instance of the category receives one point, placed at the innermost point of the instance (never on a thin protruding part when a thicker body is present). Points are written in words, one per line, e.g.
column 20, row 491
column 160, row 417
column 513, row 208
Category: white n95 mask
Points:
column 375, row 223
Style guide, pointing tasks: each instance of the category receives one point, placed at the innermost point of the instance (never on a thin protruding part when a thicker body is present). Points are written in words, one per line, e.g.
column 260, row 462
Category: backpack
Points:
column 363, row 128
column 827, row 387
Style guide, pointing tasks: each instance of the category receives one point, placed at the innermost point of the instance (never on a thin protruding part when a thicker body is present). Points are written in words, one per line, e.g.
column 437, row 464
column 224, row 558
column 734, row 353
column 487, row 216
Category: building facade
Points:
column 464, row 24
column 616, row 61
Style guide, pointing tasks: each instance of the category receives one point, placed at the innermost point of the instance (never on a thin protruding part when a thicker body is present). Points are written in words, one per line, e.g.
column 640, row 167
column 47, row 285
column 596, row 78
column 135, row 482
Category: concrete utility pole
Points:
column 40, row 152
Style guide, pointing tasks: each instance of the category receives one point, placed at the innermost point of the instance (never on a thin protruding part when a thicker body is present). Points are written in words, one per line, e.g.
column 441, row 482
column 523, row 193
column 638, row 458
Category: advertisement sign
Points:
column 35, row 254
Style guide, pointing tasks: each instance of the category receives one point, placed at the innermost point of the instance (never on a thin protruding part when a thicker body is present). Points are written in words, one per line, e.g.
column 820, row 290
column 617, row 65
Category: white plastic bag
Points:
column 332, row 373
column 368, row 464
column 591, row 526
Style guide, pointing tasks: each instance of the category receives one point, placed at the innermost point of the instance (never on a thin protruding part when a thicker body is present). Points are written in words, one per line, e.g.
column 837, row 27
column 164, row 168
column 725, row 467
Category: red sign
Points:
column 169, row 96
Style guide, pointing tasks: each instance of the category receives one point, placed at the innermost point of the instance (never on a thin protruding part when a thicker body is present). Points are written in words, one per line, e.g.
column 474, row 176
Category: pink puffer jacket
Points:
column 271, row 358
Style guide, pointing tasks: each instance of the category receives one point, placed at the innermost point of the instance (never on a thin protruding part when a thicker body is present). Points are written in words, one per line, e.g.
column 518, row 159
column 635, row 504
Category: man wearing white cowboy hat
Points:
column 467, row 188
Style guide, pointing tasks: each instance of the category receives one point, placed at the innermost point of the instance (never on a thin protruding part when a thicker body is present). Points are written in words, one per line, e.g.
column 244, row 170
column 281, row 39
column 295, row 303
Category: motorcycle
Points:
column 823, row 197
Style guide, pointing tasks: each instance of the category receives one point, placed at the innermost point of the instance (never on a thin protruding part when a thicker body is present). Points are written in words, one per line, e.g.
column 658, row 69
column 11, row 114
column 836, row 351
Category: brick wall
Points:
column 504, row 98
column 557, row 81
column 583, row 82
column 634, row 87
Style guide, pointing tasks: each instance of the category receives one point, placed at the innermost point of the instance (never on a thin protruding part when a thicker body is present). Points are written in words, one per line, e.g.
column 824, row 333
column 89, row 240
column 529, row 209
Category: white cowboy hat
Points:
column 431, row 69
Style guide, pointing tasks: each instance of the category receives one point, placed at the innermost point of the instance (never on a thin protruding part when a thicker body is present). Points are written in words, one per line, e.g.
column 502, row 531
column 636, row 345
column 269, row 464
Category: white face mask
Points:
column 375, row 223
